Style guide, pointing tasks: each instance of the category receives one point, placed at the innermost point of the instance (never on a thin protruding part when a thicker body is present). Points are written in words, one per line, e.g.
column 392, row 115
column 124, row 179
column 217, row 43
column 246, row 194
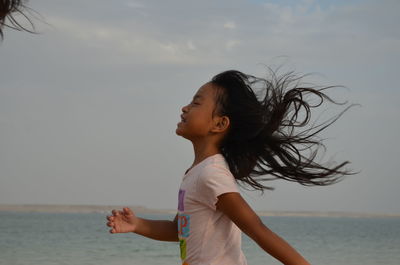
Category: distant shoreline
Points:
column 42, row 208
column 49, row 208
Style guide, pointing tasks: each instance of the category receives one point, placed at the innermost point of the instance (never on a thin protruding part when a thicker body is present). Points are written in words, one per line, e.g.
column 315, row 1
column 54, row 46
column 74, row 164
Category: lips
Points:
column 183, row 119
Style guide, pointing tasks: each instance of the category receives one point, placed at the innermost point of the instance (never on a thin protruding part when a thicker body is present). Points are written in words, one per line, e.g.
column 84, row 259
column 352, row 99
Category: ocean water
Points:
column 83, row 239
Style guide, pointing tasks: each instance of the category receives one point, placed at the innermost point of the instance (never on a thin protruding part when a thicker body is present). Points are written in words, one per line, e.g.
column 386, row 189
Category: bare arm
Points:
column 236, row 208
column 163, row 230
column 126, row 221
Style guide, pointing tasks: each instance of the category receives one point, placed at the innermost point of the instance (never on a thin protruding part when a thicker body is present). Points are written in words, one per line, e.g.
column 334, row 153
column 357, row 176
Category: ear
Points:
column 221, row 124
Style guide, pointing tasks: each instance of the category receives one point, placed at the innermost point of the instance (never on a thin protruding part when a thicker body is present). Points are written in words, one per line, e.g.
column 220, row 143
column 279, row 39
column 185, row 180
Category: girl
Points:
column 241, row 128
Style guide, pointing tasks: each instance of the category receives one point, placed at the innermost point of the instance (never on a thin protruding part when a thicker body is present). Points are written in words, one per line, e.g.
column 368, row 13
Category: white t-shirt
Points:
column 207, row 236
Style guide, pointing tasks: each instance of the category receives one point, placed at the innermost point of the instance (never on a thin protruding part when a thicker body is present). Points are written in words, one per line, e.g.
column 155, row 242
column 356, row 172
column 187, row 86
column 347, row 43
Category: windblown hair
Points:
column 9, row 8
column 262, row 140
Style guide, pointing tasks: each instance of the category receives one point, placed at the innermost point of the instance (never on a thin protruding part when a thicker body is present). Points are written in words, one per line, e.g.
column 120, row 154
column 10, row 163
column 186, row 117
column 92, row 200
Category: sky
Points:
column 89, row 105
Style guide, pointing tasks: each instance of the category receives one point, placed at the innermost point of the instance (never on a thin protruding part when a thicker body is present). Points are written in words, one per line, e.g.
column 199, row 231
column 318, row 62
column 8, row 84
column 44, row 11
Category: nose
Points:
column 185, row 109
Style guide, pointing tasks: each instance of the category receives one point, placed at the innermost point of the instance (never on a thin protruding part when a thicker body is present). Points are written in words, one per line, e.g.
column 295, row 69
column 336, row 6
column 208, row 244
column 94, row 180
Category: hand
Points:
column 124, row 221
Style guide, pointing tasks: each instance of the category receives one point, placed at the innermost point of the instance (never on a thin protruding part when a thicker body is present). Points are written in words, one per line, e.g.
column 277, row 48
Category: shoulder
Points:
column 216, row 173
column 215, row 166
column 214, row 178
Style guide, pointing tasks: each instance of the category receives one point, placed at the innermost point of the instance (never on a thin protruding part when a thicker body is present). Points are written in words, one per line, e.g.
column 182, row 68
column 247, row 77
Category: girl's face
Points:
column 197, row 117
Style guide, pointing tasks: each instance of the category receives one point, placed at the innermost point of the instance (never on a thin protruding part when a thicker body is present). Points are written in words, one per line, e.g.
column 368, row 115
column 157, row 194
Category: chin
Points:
column 181, row 134
column 178, row 132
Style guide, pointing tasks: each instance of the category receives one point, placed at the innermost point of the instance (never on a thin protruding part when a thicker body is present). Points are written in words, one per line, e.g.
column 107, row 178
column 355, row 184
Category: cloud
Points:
column 191, row 45
column 108, row 78
column 302, row 30
column 135, row 4
column 230, row 25
column 231, row 44
column 135, row 44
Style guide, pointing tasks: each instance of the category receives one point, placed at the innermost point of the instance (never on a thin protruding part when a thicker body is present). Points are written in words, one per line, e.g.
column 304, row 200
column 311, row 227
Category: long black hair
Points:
column 261, row 143
column 8, row 8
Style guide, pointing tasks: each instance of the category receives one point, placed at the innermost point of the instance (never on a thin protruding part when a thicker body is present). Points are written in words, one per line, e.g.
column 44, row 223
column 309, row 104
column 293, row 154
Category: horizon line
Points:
column 92, row 208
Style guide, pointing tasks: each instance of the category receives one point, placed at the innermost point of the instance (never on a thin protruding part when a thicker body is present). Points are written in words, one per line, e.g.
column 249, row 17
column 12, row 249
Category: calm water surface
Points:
column 83, row 239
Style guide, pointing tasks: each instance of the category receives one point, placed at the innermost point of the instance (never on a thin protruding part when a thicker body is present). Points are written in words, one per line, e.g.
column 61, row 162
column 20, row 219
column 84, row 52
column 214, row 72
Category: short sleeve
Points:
column 215, row 180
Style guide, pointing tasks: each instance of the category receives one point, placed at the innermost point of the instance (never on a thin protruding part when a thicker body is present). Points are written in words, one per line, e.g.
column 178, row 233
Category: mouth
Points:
column 183, row 119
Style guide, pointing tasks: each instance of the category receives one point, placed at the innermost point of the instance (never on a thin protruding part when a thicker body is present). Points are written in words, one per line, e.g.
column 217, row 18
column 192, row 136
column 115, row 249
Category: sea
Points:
column 83, row 239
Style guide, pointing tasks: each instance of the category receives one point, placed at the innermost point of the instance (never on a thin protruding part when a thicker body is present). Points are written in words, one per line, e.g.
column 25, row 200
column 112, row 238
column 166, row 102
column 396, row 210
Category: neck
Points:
column 202, row 150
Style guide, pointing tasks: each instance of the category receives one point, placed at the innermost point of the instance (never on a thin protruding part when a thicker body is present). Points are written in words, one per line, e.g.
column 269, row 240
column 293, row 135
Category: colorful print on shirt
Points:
column 181, row 199
column 183, row 224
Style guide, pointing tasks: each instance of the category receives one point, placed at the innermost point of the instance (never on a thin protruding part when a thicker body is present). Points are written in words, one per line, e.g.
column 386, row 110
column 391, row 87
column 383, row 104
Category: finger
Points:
column 112, row 231
column 110, row 224
column 116, row 213
column 128, row 211
column 110, row 218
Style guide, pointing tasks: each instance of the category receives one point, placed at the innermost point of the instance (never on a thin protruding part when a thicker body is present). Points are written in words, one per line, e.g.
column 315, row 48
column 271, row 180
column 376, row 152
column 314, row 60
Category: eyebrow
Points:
column 197, row 97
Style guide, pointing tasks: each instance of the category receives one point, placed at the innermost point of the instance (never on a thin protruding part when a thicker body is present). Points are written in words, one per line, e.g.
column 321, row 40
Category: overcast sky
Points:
column 89, row 107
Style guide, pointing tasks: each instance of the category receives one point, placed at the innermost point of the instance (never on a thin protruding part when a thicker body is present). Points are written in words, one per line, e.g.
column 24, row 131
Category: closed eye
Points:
column 196, row 100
